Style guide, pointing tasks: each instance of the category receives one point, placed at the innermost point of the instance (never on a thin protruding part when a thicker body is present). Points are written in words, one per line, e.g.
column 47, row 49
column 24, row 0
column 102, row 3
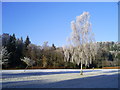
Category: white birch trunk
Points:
column 81, row 72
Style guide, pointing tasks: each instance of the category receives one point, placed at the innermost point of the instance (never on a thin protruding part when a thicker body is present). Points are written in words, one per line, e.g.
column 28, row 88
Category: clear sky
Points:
column 50, row 21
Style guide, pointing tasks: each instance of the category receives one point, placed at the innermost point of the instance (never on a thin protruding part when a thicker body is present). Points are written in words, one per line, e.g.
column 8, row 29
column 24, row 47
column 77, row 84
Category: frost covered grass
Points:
column 60, row 78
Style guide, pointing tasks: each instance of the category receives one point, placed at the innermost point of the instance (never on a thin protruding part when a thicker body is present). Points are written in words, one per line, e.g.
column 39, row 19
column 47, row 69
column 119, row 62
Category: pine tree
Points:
column 53, row 47
column 27, row 42
column 11, row 48
column 19, row 51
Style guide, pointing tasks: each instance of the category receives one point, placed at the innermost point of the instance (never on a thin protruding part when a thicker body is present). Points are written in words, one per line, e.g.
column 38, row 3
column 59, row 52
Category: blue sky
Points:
column 50, row 21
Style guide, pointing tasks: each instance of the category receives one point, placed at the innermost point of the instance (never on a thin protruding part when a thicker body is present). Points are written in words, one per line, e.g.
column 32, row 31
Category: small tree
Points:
column 81, row 42
column 28, row 61
column 4, row 55
column 27, row 41
column 44, row 61
column 45, row 46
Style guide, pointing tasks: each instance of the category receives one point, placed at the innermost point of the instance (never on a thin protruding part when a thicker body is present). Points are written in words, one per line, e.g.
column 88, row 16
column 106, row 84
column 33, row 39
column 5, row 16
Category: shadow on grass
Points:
column 12, row 75
column 101, row 81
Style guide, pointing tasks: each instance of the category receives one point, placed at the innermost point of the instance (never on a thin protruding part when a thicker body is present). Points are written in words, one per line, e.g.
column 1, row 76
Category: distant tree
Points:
column 33, row 51
column 44, row 61
column 45, row 46
column 26, row 44
column 27, row 41
column 67, row 53
column 11, row 48
column 53, row 47
column 4, row 55
column 19, row 51
column 5, row 38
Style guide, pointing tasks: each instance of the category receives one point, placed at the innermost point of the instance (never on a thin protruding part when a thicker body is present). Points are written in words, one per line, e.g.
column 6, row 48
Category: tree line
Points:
column 14, row 52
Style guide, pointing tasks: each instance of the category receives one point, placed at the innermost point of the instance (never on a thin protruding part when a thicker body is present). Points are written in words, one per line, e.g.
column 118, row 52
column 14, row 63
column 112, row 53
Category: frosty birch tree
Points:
column 82, row 43
column 28, row 61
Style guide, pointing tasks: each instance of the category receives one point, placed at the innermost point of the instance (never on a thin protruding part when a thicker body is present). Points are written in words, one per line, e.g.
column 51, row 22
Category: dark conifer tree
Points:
column 26, row 43
column 11, row 47
column 53, row 47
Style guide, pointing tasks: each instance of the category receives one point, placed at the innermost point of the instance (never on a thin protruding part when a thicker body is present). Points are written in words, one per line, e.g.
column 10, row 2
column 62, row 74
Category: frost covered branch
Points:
column 28, row 61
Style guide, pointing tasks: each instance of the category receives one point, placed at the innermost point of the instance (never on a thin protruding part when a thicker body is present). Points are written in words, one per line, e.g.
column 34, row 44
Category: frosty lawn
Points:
column 60, row 78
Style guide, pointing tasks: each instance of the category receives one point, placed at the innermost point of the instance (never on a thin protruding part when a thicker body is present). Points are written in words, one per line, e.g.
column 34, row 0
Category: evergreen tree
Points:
column 53, row 47
column 19, row 52
column 11, row 48
column 27, row 42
